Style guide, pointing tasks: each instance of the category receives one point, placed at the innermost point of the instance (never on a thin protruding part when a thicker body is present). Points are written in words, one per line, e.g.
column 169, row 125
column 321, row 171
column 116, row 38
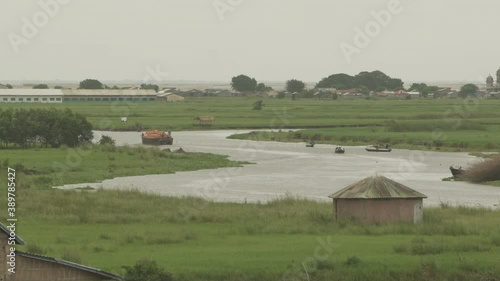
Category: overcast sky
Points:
column 271, row 40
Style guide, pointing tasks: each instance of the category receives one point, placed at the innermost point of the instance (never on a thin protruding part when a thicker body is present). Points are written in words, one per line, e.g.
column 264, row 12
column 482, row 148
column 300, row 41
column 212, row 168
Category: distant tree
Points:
column 372, row 80
column 295, row 85
column 150, row 87
column 243, row 83
column 281, row 95
column 379, row 89
column 58, row 87
column 9, row 86
column 339, row 81
column 41, row 86
column 115, row 88
column 91, row 84
column 261, row 87
column 468, row 90
column 364, row 90
column 258, row 105
column 146, row 270
column 335, row 96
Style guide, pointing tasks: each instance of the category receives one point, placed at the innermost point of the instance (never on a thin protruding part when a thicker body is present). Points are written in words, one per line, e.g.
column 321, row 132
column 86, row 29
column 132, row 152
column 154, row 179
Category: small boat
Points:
column 339, row 149
column 456, row 172
column 378, row 148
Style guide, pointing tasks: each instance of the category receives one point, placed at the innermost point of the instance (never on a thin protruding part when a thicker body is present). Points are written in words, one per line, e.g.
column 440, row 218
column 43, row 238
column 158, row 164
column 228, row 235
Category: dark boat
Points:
column 339, row 149
column 456, row 172
column 377, row 148
column 311, row 144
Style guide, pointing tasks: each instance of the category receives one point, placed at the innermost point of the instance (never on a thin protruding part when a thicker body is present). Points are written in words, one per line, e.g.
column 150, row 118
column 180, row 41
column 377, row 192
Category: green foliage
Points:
column 41, row 86
column 262, row 88
column 58, row 87
column 46, row 127
column 9, row 86
column 243, row 83
column 106, row 140
column 146, row 270
column 295, row 85
column 281, row 95
column 371, row 80
column 91, row 84
column 258, row 105
column 150, row 87
column 468, row 90
column 423, row 89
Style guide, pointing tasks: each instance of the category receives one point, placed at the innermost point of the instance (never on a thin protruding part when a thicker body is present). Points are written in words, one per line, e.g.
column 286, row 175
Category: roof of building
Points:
column 107, row 275
column 109, row 92
column 30, row 92
column 376, row 187
column 18, row 240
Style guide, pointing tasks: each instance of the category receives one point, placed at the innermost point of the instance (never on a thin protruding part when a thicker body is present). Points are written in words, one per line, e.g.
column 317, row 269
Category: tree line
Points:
column 43, row 127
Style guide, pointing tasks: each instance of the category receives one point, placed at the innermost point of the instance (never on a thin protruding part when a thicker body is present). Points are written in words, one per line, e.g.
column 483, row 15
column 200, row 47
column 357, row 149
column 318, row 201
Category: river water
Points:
column 292, row 168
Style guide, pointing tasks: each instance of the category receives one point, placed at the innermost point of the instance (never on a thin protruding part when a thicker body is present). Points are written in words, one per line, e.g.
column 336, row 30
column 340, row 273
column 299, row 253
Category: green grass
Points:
column 47, row 167
column 444, row 124
column 203, row 240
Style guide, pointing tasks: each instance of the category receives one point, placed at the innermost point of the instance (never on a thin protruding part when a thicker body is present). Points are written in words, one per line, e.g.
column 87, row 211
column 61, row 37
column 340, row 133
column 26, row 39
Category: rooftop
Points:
column 376, row 187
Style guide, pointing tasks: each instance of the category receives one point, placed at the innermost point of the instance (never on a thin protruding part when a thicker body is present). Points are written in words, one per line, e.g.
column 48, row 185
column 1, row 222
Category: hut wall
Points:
column 379, row 210
column 28, row 269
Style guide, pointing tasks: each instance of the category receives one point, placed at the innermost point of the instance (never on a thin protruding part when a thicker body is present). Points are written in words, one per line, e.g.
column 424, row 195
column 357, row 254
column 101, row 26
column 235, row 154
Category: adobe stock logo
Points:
column 363, row 37
column 31, row 27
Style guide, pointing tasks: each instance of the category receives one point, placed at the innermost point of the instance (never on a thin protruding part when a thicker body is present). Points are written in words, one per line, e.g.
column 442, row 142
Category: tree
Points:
column 91, row 84
column 258, row 105
column 243, row 83
column 371, row 80
column 58, row 87
column 9, row 86
column 41, row 86
column 294, row 85
column 339, row 81
column 146, row 270
column 261, row 88
column 150, row 87
column 468, row 90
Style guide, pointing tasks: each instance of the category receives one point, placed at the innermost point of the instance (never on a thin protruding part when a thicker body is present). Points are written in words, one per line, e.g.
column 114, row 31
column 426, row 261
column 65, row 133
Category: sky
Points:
column 270, row 40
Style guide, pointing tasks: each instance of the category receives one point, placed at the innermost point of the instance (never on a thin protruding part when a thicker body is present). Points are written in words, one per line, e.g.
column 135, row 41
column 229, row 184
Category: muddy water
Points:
column 282, row 168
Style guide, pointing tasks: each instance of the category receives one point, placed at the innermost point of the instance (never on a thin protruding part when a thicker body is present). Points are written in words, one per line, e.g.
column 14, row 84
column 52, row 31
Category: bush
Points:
column 146, row 270
column 106, row 140
column 484, row 171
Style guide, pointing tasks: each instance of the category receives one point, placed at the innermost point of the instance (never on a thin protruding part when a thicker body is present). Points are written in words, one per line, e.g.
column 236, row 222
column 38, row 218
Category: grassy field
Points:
column 281, row 240
column 43, row 168
column 449, row 124
column 200, row 240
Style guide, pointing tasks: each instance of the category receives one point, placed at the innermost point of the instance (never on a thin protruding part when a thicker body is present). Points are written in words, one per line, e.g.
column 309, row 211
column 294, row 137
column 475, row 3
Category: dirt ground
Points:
column 293, row 168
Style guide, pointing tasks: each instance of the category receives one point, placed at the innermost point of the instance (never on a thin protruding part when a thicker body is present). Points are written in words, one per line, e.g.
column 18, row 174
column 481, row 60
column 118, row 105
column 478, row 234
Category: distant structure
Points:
column 490, row 85
column 378, row 199
column 36, row 267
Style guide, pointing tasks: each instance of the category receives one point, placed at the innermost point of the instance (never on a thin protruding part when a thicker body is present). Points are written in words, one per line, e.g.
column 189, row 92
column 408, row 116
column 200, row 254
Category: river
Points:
column 292, row 168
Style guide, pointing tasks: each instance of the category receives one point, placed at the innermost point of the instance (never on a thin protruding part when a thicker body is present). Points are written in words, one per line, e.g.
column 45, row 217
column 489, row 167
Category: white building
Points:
column 31, row 95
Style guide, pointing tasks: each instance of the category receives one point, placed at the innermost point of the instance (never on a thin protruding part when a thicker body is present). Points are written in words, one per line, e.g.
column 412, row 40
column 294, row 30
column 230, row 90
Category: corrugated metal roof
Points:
column 18, row 240
column 30, row 92
column 107, row 275
column 375, row 187
column 106, row 92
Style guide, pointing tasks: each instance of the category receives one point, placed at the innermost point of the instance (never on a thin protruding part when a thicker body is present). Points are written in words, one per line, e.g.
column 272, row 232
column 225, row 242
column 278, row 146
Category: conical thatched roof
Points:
column 376, row 187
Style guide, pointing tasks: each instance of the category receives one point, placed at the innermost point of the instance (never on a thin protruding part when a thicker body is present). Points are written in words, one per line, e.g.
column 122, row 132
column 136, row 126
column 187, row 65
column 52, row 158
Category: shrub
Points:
column 72, row 256
column 35, row 249
column 146, row 270
column 354, row 260
column 106, row 140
